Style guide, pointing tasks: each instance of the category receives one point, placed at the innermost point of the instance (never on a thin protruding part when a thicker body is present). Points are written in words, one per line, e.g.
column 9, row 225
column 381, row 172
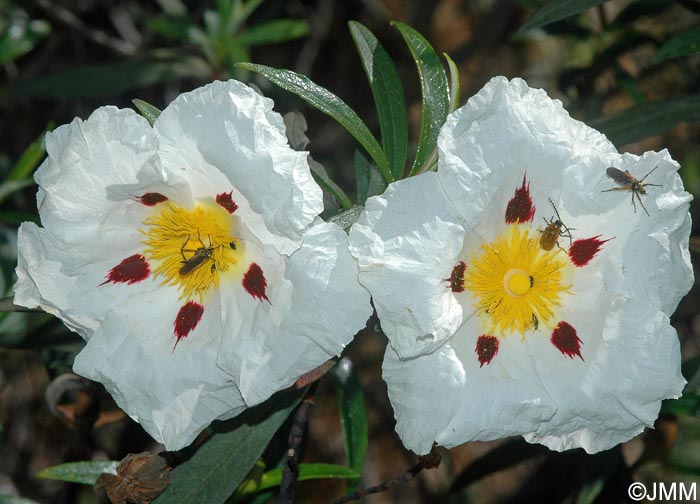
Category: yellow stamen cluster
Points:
column 190, row 248
column 516, row 283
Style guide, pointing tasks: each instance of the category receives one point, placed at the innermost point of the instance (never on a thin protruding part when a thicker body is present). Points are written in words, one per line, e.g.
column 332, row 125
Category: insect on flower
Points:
column 200, row 256
column 550, row 235
column 628, row 182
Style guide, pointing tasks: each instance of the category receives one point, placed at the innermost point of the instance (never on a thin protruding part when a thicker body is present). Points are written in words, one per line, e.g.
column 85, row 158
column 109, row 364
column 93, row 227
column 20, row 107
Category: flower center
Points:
column 191, row 248
column 515, row 282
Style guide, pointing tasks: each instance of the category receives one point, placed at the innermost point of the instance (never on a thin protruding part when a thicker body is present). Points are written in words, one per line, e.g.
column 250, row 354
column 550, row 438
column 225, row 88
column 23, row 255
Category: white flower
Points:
column 518, row 295
column 190, row 257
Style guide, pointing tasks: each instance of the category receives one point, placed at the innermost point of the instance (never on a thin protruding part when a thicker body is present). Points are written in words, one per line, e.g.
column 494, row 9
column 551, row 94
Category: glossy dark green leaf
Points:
column 220, row 465
column 387, row 91
column 21, row 36
column 680, row 45
column 15, row 217
column 328, row 103
column 554, row 10
column 309, row 472
column 100, row 81
column 150, row 112
column 85, row 473
column 504, row 456
column 353, row 414
column 322, row 178
column 30, row 158
column 435, row 100
column 648, row 119
column 687, row 405
column 347, row 218
column 280, row 30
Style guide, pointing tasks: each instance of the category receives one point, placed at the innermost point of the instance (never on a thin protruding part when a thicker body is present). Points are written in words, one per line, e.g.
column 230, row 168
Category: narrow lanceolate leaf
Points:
column 369, row 181
column 85, row 473
column 682, row 44
column 271, row 32
column 322, row 179
column 220, row 465
column 150, row 112
column 309, row 472
column 330, row 104
column 454, row 83
column 388, row 95
column 555, row 10
column 353, row 415
column 30, row 158
column 434, row 90
column 347, row 218
column 648, row 119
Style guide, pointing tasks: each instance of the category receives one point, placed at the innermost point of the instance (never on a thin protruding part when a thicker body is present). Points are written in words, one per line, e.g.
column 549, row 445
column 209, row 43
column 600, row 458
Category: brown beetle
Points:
column 555, row 228
column 200, row 256
column 628, row 182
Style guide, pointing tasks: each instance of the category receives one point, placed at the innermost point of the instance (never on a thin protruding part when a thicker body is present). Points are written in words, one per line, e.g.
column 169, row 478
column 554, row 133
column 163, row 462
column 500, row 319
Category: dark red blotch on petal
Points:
column 520, row 207
column 187, row 319
column 582, row 251
column 131, row 270
column 457, row 277
column 152, row 198
column 486, row 349
column 566, row 340
column 225, row 200
column 255, row 283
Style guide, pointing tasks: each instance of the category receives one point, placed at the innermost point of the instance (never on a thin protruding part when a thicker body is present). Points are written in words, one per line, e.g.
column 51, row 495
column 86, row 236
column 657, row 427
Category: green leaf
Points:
column 352, row 412
column 387, row 91
column 435, row 100
column 220, row 465
column 85, row 473
column 368, row 179
column 454, row 83
column 682, row 44
column 150, row 112
column 347, row 218
column 322, row 178
column 555, row 10
column 330, row 104
column 648, row 119
column 173, row 27
column 10, row 186
column 30, row 158
column 307, row 472
column 15, row 217
column 106, row 80
column 504, row 456
column 280, row 30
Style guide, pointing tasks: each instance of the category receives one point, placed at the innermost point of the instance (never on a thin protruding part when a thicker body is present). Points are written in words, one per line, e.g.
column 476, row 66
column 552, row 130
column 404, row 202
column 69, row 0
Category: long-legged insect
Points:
column 200, row 256
column 550, row 235
column 628, row 182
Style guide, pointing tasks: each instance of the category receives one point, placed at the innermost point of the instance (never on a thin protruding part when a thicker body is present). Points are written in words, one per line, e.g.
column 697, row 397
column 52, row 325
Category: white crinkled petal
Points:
column 631, row 364
column 445, row 397
column 172, row 391
column 235, row 129
column 316, row 307
column 406, row 243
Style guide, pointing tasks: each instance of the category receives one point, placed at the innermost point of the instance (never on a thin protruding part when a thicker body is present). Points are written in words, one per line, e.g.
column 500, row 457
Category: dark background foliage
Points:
column 629, row 68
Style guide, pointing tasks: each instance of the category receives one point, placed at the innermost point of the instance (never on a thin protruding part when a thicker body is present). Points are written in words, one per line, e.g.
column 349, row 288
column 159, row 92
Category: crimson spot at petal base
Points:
column 255, row 283
column 486, row 349
column 131, row 270
column 152, row 198
column 457, row 277
column 566, row 340
column 520, row 208
column 582, row 251
column 226, row 201
column 187, row 319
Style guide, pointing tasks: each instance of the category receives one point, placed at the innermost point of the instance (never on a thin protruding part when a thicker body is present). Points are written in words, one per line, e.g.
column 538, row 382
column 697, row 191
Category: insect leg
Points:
column 650, row 172
column 182, row 249
column 640, row 202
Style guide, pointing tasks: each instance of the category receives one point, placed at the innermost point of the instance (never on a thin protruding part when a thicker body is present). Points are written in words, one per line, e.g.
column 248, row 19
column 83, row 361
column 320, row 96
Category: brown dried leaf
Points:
column 140, row 479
